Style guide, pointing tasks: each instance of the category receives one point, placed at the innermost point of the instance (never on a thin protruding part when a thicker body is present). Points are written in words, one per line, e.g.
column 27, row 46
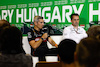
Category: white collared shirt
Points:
column 71, row 33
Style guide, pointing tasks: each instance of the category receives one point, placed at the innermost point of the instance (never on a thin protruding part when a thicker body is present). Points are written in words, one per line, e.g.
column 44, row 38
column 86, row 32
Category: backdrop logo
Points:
column 54, row 12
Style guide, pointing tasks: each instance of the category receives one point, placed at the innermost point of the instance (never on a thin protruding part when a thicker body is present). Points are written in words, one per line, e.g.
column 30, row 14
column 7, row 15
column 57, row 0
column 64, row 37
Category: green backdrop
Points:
column 55, row 12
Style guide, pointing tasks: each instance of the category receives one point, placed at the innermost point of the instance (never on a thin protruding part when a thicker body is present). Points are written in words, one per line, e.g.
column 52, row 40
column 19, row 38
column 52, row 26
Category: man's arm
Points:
column 84, row 33
column 51, row 41
column 38, row 43
column 32, row 42
column 66, row 33
column 35, row 44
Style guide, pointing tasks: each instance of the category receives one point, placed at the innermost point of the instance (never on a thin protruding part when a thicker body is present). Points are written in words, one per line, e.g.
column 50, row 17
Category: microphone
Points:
column 45, row 30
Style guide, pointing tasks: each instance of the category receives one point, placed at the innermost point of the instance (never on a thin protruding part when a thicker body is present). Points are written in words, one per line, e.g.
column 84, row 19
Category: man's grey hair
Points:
column 36, row 18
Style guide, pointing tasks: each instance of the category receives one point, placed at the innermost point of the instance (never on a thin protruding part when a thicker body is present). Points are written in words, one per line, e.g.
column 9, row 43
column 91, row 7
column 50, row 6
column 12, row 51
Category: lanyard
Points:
column 76, row 31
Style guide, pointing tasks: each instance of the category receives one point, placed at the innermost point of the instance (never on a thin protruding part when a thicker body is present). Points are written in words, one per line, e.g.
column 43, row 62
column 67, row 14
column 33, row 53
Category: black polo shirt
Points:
column 36, row 35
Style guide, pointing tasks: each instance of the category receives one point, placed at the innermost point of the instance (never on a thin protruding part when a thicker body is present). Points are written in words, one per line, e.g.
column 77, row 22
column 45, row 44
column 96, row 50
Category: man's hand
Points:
column 51, row 41
column 45, row 35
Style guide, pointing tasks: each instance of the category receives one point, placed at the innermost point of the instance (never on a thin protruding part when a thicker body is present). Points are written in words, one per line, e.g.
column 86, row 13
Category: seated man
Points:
column 11, row 49
column 66, row 51
column 74, row 31
column 88, row 52
column 38, row 37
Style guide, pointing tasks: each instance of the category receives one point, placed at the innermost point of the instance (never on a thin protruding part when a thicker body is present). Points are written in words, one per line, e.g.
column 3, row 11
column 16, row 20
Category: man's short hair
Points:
column 88, row 52
column 11, row 40
column 93, row 31
column 36, row 18
column 74, row 14
column 4, row 23
column 66, row 50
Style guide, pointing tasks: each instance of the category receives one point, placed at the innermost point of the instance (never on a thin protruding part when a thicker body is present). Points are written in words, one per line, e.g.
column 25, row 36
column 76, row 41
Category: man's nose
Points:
column 76, row 20
column 42, row 23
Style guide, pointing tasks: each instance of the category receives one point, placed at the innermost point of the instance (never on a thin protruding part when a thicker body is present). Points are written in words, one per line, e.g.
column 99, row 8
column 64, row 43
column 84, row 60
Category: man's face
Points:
column 40, row 23
column 75, row 20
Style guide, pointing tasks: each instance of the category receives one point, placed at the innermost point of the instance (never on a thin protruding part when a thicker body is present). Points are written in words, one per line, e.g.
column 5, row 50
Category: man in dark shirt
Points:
column 38, row 38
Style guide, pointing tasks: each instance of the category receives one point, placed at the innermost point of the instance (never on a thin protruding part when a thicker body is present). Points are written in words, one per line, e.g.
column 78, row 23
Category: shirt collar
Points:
column 37, row 31
column 72, row 27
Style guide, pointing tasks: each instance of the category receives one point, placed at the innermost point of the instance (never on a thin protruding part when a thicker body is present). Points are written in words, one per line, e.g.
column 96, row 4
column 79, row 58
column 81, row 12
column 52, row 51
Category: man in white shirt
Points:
column 73, row 31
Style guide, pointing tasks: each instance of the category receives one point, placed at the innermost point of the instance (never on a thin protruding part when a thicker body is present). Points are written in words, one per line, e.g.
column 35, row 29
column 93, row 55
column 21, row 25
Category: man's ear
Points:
column 35, row 23
column 75, row 56
column 71, row 20
column 98, row 37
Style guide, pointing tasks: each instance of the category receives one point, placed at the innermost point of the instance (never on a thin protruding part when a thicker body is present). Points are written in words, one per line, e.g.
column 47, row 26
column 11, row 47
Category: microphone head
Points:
column 45, row 30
